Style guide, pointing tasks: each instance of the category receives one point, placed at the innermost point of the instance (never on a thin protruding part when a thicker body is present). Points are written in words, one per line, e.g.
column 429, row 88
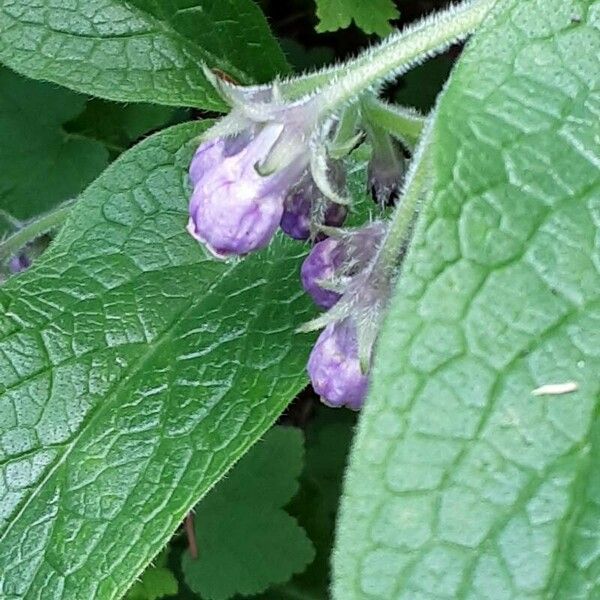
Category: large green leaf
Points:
column 139, row 50
column 134, row 370
column 462, row 483
column 234, row 29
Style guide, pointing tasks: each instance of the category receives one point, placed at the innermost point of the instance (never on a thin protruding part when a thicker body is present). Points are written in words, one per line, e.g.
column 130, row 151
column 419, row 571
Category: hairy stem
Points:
column 33, row 230
column 402, row 220
column 402, row 122
column 399, row 52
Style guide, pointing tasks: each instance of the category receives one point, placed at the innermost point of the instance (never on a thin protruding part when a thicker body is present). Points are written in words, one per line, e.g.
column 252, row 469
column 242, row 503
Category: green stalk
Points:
column 399, row 52
column 402, row 122
column 33, row 230
column 404, row 215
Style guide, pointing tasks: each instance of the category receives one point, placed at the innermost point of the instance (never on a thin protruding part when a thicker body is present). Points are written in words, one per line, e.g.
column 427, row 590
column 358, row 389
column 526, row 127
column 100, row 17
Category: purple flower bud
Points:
column 296, row 219
column 19, row 263
column 319, row 265
column 341, row 258
column 305, row 203
column 234, row 209
column 208, row 154
column 334, row 367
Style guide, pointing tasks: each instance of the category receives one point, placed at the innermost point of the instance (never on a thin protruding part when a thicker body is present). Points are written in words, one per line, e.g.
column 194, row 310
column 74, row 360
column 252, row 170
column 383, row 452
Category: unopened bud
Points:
column 234, row 209
column 386, row 169
column 305, row 209
column 334, row 367
column 339, row 259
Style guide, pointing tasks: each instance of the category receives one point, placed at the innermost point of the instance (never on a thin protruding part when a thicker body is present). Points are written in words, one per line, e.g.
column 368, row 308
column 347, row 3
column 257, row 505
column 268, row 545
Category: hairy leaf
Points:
column 134, row 370
column 139, row 50
column 234, row 29
column 464, row 484
column 41, row 164
column 246, row 541
column 372, row 16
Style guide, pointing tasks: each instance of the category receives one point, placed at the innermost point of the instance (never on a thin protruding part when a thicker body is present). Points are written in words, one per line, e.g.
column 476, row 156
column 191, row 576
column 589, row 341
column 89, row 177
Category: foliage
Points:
column 128, row 378
column 157, row 581
column 141, row 51
column 143, row 380
column 463, row 483
column 372, row 17
column 41, row 164
column 246, row 541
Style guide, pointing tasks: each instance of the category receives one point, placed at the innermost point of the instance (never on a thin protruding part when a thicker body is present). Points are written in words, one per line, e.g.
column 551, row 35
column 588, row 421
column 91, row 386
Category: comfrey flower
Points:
column 306, row 208
column 333, row 262
column 249, row 164
column 321, row 265
column 271, row 164
column 234, row 209
column 334, row 367
column 342, row 273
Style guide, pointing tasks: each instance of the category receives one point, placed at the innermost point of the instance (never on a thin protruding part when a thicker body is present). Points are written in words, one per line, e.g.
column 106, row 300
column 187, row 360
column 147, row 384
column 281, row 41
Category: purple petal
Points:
column 318, row 266
column 209, row 154
column 334, row 367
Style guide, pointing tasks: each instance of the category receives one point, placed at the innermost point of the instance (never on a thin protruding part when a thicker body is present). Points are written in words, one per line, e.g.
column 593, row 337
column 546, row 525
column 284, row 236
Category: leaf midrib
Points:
column 247, row 341
column 110, row 395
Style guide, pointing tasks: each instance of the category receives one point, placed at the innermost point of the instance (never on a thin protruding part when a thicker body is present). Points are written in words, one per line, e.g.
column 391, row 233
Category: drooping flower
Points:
column 338, row 260
column 234, row 209
column 205, row 158
column 343, row 274
column 306, row 208
column 320, row 265
column 334, row 367
column 250, row 162
column 386, row 169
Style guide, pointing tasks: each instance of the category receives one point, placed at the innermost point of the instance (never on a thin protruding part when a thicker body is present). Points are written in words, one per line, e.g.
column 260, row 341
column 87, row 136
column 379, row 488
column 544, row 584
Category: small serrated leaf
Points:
column 372, row 16
column 157, row 581
column 40, row 164
column 246, row 541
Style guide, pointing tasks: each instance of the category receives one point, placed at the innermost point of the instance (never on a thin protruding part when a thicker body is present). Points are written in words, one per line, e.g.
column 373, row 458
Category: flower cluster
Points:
column 270, row 165
column 339, row 275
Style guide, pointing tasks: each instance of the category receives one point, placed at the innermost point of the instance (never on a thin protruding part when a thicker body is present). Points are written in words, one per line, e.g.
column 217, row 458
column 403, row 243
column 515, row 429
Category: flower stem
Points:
column 402, row 122
column 33, row 230
column 399, row 52
column 402, row 220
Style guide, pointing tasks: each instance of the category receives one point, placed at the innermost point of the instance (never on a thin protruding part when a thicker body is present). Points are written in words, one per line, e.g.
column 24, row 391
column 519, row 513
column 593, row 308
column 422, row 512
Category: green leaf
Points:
column 463, row 484
column 41, row 164
column 134, row 371
column 246, row 541
column 139, row 50
column 372, row 16
column 234, row 29
column 328, row 440
column 118, row 125
column 155, row 582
